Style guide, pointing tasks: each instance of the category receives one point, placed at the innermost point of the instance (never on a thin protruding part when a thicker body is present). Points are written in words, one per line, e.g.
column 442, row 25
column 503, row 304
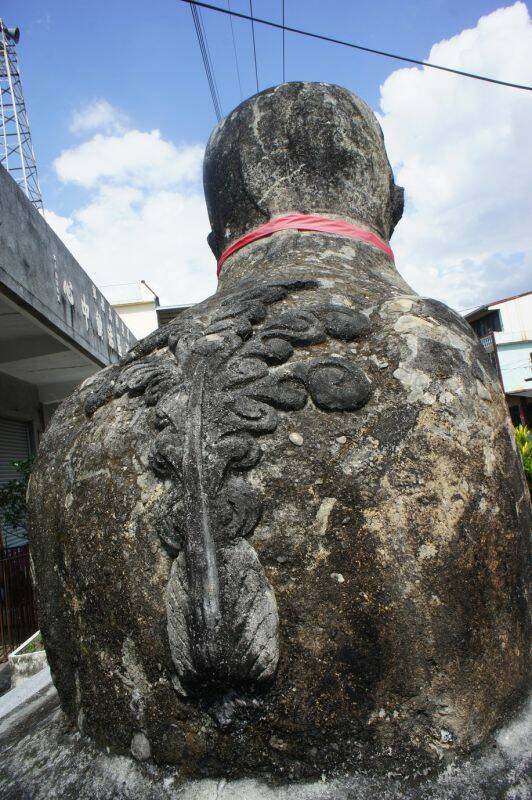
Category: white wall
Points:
column 136, row 304
column 516, row 365
column 516, row 317
column 514, row 343
column 140, row 318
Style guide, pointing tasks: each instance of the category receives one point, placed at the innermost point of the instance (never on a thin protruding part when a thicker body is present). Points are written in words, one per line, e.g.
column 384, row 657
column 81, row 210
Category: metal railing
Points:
column 18, row 617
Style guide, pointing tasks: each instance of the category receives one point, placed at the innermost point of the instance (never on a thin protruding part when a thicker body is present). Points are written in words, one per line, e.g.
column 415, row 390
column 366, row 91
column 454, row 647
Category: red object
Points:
column 305, row 222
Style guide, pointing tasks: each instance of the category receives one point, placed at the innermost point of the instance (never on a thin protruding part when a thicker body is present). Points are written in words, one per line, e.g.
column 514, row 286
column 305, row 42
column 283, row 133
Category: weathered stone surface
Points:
column 288, row 533
column 42, row 757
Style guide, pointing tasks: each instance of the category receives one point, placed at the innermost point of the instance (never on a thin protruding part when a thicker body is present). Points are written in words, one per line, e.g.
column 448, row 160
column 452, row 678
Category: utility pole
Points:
column 16, row 149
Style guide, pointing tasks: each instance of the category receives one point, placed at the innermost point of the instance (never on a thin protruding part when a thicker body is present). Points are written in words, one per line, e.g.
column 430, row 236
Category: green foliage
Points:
column 13, row 495
column 35, row 646
column 523, row 436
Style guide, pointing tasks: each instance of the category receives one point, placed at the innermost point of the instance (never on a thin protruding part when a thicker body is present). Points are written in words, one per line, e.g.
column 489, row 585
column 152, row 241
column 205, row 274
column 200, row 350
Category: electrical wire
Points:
column 208, row 73
column 200, row 33
column 284, row 71
column 209, row 59
column 331, row 40
column 234, row 50
column 207, row 50
column 254, row 47
column 467, row 308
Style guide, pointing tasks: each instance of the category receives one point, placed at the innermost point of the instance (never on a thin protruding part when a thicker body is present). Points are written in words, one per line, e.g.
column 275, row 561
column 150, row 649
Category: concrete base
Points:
column 40, row 757
column 24, row 665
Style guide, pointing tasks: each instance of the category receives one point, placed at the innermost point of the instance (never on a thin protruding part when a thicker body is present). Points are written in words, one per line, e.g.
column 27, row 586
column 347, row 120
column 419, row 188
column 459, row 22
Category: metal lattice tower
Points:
column 16, row 150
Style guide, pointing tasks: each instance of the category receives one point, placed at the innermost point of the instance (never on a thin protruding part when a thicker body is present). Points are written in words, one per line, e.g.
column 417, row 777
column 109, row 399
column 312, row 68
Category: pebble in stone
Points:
column 341, row 439
column 277, row 744
column 140, row 747
column 337, row 576
column 296, row 438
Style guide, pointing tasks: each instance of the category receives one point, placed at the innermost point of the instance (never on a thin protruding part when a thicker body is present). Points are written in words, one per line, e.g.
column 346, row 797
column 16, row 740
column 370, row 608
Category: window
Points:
column 15, row 445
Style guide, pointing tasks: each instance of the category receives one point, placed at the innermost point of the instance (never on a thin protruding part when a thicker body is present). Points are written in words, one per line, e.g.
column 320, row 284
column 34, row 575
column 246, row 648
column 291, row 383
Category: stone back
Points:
column 288, row 533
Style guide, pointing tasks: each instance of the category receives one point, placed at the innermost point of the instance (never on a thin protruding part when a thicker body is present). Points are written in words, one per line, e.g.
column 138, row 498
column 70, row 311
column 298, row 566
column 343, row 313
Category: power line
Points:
column 209, row 59
column 234, row 50
column 467, row 308
column 284, row 72
column 207, row 50
column 206, row 61
column 359, row 46
column 253, row 35
column 206, row 64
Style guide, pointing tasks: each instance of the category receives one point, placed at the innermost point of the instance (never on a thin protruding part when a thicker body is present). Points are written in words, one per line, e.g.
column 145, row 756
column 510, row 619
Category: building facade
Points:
column 139, row 307
column 56, row 329
column 505, row 329
column 136, row 304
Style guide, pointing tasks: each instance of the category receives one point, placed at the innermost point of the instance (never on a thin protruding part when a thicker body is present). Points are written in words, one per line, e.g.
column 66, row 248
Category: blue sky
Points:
column 144, row 58
column 143, row 61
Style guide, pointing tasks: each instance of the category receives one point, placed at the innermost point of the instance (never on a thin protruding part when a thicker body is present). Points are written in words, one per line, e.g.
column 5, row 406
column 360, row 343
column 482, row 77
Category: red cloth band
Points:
column 305, row 222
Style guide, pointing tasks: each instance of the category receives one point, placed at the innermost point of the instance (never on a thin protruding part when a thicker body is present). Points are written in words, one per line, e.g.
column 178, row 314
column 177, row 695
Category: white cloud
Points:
column 145, row 217
column 137, row 158
column 461, row 148
column 98, row 116
column 463, row 151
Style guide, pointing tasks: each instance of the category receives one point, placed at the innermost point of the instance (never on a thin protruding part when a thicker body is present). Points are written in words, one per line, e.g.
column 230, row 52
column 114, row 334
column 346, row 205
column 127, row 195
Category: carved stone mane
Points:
column 228, row 380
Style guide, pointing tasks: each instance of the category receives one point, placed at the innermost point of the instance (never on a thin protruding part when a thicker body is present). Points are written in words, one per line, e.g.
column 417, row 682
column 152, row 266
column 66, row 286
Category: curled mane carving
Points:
column 213, row 401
